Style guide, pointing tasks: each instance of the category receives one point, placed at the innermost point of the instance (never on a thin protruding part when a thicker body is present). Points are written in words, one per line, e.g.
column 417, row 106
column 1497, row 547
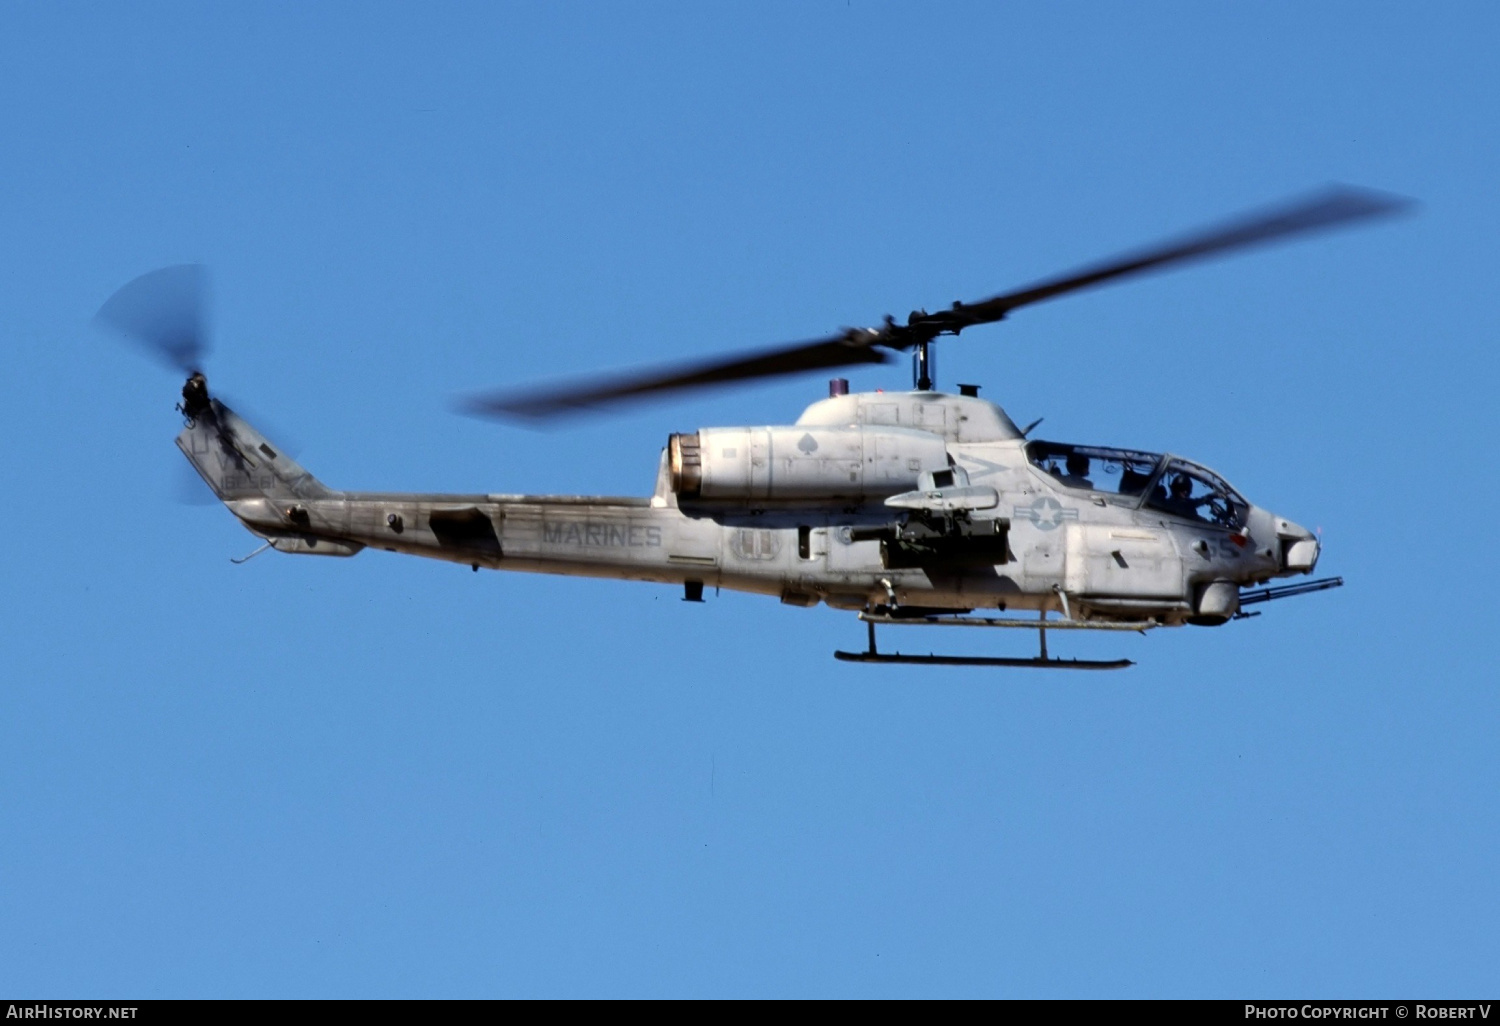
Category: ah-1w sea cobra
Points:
column 907, row 508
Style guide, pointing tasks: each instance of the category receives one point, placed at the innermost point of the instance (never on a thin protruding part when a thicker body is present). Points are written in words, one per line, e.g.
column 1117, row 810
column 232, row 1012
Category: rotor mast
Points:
column 922, row 366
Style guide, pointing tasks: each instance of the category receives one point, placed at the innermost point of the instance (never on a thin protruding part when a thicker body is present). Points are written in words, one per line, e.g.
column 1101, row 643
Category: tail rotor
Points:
column 165, row 312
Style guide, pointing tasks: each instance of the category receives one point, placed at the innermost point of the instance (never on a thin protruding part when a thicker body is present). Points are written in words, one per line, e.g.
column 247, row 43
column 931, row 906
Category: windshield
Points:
column 1197, row 493
column 1094, row 468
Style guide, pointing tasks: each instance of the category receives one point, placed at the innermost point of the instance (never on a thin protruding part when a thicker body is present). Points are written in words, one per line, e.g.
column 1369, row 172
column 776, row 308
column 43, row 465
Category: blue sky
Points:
column 390, row 777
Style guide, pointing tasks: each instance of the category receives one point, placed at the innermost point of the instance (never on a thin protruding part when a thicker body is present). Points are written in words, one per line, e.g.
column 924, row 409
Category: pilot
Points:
column 1078, row 472
column 1180, row 500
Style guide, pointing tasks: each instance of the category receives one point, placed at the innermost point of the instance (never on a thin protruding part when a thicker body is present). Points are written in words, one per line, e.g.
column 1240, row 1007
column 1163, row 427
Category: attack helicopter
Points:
column 910, row 508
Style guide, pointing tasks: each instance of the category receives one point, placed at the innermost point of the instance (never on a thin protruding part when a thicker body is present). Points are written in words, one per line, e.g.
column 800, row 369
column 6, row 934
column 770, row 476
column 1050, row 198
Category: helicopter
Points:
column 906, row 508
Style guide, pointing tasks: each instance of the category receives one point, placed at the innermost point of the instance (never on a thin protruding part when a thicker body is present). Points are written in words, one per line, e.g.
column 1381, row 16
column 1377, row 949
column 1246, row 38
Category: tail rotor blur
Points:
column 166, row 313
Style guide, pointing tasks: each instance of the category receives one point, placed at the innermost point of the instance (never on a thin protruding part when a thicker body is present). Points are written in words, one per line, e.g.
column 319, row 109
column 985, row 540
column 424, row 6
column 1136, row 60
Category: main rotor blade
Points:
column 1334, row 206
column 165, row 311
column 1330, row 208
column 851, row 347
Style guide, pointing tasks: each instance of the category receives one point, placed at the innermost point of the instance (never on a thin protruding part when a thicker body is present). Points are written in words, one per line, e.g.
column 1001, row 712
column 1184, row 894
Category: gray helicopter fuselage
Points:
column 823, row 511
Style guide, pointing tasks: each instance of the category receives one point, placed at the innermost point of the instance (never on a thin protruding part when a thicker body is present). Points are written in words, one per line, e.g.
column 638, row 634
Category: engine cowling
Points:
column 800, row 465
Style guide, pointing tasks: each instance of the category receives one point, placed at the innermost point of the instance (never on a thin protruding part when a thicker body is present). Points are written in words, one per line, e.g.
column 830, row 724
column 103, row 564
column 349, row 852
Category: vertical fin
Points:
column 238, row 462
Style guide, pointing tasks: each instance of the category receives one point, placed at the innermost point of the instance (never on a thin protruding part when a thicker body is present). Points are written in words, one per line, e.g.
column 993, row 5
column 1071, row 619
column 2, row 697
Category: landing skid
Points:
column 1041, row 626
column 940, row 660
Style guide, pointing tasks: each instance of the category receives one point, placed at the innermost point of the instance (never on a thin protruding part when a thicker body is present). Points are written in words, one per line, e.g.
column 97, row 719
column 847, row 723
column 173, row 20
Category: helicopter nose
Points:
column 1300, row 548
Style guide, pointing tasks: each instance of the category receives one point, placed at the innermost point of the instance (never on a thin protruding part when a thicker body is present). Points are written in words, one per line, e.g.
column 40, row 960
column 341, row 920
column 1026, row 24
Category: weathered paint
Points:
column 1106, row 554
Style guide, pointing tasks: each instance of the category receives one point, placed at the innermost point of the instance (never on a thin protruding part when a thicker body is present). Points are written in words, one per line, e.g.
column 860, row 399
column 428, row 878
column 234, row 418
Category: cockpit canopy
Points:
column 1095, row 468
column 1163, row 483
column 1187, row 490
